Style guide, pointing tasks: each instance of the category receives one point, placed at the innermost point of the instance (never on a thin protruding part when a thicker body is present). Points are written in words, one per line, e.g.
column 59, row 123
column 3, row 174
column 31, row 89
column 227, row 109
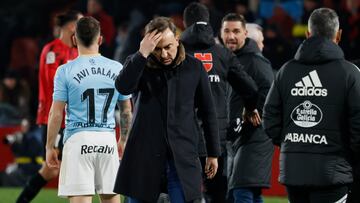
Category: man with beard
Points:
column 250, row 156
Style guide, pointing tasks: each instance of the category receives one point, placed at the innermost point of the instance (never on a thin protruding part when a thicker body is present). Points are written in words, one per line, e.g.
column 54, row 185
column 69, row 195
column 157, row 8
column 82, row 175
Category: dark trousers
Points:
column 330, row 194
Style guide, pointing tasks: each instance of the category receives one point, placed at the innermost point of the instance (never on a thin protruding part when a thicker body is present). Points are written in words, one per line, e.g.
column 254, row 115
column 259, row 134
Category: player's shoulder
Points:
column 53, row 45
column 111, row 62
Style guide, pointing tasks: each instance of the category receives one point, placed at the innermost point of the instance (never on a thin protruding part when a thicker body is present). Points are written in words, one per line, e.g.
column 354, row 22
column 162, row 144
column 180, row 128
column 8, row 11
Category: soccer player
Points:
column 54, row 54
column 86, row 88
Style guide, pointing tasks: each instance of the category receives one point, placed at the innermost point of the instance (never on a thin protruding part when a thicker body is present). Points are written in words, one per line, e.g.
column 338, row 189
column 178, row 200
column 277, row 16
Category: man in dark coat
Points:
column 313, row 112
column 167, row 85
column 250, row 157
column 223, row 69
column 354, row 194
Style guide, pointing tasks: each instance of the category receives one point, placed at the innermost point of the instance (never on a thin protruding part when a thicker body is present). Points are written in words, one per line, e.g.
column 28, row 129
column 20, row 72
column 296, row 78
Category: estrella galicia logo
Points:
column 306, row 115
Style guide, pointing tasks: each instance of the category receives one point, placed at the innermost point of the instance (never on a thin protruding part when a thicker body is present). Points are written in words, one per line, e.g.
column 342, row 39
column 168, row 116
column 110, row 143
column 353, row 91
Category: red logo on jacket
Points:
column 206, row 59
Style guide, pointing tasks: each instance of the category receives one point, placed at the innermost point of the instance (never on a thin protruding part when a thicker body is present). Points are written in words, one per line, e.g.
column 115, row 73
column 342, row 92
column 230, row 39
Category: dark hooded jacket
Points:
column 164, row 124
column 250, row 157
column 313, row 112
column 223, row 69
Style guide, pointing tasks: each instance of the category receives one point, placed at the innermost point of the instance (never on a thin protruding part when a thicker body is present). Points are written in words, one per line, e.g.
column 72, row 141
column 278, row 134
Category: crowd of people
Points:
column 204, row 97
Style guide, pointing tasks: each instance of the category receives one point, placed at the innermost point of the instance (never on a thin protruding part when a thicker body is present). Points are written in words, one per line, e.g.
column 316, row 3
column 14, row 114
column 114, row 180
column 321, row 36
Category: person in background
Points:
column 254, row 31
column 108, row 30
column 354, row 193
column 26, row 146
column 312, row 112
column 55, row 53
column 15, row 92
column 224, row 72
column 250, row 154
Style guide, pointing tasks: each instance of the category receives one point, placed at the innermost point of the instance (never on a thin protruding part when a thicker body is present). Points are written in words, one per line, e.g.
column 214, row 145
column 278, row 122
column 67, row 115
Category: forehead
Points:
column 232, row 25
column 167, row 38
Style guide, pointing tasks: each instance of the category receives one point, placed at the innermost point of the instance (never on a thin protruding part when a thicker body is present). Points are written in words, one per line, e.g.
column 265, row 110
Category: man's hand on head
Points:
column 149, row 42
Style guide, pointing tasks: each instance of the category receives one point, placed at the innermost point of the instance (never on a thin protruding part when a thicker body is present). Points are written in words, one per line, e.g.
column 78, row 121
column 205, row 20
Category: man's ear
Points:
column 73, row 39
column 338, row 36
column 100, row 40
column 307, row 34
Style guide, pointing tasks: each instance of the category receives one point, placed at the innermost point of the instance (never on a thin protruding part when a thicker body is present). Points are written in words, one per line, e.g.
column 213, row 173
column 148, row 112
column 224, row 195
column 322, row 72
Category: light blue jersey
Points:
column 87, row 85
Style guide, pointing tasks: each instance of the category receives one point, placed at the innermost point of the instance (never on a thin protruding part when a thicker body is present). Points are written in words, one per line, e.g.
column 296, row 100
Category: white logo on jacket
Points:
column 306, row 138
column 50, row 57
column 306, row 115
column 310, row 85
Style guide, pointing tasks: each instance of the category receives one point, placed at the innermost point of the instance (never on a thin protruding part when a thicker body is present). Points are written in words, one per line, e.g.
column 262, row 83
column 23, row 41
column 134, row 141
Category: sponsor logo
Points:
column 87, row 149
column 238, row 125
column 50, row 57
column 214, row 78
column 206, row 59
column 310, row 85
column 306, row 115
column 306, row 138
column 92, row 62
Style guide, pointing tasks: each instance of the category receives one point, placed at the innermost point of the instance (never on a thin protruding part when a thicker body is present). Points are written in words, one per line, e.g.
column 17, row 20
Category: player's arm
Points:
column 54, row 124
column 125, row 123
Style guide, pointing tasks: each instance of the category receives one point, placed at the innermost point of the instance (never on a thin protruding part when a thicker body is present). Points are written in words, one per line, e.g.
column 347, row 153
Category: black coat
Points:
column 313, row 112
column 223, row 69
column 250, row 157
column 164, row 125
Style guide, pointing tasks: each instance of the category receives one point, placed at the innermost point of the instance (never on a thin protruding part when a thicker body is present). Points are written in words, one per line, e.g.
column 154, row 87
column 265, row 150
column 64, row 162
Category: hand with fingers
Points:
column 252, row 116
column 211, row 167
column 149, row 42
column 52, row 158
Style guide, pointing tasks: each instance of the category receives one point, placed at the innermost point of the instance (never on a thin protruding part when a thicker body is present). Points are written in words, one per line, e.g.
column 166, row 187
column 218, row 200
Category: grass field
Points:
column 9, row 195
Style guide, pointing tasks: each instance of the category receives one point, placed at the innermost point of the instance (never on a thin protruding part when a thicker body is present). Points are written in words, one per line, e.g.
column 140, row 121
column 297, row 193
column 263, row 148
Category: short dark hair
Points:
column 195, row 12
column 160, row 24
column 66, row 17
column 87, row 29
column 234, row 17
column 323, row 22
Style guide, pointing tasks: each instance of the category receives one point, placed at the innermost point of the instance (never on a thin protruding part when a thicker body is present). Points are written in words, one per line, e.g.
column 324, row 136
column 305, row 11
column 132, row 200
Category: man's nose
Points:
column 231, row 35
column 163, row 53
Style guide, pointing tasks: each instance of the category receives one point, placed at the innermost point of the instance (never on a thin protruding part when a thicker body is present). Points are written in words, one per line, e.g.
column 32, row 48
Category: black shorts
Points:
column 60, row 144
column 330, row 194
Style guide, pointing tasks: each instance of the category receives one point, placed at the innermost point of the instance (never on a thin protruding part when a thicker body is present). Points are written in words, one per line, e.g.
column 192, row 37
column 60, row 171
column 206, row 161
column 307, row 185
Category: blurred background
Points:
column 27, row 25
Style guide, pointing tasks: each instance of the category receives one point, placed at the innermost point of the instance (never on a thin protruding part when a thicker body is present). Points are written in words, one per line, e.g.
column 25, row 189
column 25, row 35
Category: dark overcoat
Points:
column 249, row 163
column 164, row 124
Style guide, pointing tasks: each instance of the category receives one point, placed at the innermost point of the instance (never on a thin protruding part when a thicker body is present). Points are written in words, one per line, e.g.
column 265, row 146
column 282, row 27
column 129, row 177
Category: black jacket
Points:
column 250, row 158
column 223, row 69
column 313, row 112
column 164, row 125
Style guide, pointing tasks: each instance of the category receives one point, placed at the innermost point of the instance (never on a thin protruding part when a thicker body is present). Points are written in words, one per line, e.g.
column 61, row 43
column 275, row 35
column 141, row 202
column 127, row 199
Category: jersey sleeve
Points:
column 60, row 87
column 123, row 97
